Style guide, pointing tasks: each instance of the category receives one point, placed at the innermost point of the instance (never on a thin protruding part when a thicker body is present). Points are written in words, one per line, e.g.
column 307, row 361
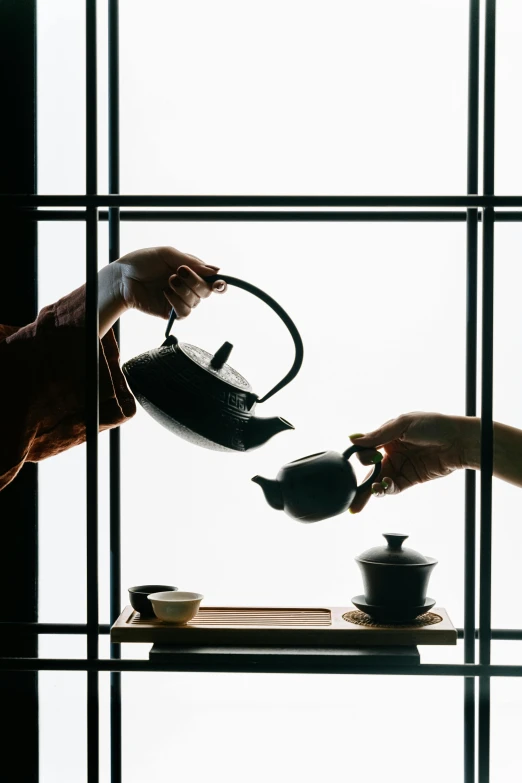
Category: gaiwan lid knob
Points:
column 393, row 552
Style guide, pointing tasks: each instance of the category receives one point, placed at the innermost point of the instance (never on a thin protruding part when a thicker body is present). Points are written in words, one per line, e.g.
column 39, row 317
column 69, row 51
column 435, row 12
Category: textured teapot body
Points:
column 316, row 487
column 207, row 407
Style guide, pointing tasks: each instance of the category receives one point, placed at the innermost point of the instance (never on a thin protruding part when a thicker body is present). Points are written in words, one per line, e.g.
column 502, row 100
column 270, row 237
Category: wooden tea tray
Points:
column 222, row 625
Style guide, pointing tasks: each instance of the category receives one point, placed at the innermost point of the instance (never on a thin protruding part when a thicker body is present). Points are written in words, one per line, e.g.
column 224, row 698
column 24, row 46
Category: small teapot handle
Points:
column 377, row 469
column 252, row 289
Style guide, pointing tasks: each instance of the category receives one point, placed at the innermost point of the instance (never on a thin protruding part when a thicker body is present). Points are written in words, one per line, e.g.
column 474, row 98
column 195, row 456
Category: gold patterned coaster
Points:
column 361, row 618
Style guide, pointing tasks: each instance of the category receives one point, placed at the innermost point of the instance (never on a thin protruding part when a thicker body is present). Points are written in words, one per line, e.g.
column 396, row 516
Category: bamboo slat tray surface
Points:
column 221, row 625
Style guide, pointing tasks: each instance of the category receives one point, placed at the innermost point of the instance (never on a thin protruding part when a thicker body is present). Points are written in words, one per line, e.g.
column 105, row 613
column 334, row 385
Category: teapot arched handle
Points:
column 252, row 289
column 377, row 469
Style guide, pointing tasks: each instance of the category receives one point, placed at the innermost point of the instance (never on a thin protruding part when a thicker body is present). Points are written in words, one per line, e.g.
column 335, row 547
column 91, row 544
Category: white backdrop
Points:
column 338, row 97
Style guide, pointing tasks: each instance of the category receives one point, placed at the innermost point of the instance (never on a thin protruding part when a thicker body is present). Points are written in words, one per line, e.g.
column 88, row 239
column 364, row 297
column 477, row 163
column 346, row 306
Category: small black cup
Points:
column 139, row 601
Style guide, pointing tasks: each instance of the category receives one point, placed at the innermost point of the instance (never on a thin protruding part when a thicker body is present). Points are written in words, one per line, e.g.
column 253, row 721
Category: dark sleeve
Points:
column 42, row 385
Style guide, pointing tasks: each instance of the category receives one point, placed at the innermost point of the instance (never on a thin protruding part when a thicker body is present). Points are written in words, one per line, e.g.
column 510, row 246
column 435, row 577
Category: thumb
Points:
column 391, row 430
column 360, row 501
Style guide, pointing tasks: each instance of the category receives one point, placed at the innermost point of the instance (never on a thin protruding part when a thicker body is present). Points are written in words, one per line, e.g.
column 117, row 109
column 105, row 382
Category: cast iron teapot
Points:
column 200, row 397
column 315, row 487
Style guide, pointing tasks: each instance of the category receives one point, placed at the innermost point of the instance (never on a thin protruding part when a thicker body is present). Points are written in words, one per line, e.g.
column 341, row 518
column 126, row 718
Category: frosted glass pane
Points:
column 294, row 97
column 62, row 479
column 306, row 728
column 61, row 482
column 61, row 96
column 508, row 112
column 63, row 716
column 63, row 722
column 506, row 715
column 507, row 393
column 507, row 652
column 380, row 312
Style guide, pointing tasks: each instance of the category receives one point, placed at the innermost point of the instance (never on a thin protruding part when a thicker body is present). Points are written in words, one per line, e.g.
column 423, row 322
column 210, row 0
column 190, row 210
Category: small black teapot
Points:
column 315, row 487
column 200, row 397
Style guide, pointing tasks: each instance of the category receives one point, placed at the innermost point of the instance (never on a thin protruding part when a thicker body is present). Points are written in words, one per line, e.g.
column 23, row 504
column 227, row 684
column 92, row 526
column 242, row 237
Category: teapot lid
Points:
column 216, row 364
column 393, row 552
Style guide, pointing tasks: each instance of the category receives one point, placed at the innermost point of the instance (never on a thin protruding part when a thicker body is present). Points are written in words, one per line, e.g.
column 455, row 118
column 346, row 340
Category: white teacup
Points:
column 177, row 607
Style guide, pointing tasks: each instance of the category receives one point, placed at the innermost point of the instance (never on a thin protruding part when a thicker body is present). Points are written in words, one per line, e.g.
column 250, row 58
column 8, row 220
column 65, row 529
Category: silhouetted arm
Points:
column 507, row 449
column 42, row 387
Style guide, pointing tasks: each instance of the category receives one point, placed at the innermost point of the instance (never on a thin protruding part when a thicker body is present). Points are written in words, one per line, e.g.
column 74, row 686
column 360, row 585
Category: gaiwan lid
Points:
column 394, row 552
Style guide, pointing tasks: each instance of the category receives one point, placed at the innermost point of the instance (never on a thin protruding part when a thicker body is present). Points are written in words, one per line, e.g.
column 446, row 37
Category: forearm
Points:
column 111, row 304
column 42, row 406
column 507, row 449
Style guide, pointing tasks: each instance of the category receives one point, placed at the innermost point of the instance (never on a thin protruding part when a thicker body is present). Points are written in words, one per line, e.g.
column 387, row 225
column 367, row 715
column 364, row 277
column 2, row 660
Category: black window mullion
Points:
column 14, row 200
column 471, row 388
column 486, row 456
column 19, row 743
column 258, row 661
column 313, row 216
column 115, row 452
column 92, row 394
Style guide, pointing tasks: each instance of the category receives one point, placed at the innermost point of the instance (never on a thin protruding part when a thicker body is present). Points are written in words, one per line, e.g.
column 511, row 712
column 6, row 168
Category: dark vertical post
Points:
column 486, row 450
column 486, row 459
column 471, row 388
column 115, row 468
column 92, row 395
column 18, row 306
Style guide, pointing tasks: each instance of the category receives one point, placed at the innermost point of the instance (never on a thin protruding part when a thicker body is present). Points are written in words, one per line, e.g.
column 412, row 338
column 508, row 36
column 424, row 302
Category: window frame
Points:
column 22, row 655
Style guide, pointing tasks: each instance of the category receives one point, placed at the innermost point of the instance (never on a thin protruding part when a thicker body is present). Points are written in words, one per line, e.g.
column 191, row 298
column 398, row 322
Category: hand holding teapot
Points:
column 153, row 280
column 198, row 396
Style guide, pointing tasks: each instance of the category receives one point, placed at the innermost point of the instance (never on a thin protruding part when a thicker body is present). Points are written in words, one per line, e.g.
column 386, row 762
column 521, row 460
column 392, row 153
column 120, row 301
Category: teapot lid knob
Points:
column 395, row 540
column 221, row 356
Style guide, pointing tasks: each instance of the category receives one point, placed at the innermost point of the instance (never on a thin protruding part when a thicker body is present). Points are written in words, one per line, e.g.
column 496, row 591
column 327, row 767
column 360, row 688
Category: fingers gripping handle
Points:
column 208, row 279
column 377, row 469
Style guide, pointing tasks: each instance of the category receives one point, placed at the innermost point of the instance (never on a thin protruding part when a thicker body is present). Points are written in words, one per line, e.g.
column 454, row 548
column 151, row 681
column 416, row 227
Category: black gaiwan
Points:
column 395, row 581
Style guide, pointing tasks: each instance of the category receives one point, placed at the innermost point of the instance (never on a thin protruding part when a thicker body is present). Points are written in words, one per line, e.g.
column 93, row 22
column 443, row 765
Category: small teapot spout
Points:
column 272, row 492
column 261, row 430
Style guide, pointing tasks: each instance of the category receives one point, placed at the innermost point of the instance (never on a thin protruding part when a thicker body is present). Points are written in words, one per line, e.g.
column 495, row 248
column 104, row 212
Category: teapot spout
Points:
column 272, row 492
column 261, row 430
